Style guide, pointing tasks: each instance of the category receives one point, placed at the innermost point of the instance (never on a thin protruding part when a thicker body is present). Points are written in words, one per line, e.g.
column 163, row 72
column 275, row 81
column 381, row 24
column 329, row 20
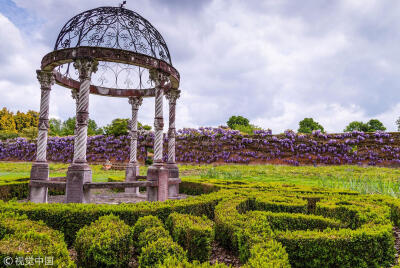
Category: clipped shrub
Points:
column 104, row 243
column 156, row 252
column 150, row 235
column 370, row 246
column 144, row 223
column 172, row 261
column 193, row 233
column 255, row 230
column 268, row 254
column 25, row 239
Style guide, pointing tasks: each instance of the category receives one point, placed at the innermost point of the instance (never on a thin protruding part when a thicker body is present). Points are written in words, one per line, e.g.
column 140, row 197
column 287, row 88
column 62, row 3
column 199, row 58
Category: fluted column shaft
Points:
column 135, row 103
column 172, row 96
column 85, row 68
column 46, row 80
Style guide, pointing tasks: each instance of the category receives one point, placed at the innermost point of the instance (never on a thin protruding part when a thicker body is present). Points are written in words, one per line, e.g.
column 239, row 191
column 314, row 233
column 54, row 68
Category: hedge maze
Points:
column 265, row 225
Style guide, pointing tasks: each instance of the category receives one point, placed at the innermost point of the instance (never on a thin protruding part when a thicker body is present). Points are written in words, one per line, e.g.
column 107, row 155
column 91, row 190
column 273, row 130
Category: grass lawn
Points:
column 362, row 179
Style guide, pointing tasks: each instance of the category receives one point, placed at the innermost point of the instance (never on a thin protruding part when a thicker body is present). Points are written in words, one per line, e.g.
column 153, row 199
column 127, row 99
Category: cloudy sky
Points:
column 274, row 61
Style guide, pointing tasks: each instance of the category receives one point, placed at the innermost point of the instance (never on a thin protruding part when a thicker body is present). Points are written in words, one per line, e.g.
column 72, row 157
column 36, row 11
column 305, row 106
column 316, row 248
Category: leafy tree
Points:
column 55, row 127
column 371, row 126
column 356, row 125
column 7, row 122
column 29, row 132
column 237, row 120
column 398, row 124
column 307, row 125
column 117, row 127
column 68, row 127
column 375, row 124
column 93, row 129
column 145, row 127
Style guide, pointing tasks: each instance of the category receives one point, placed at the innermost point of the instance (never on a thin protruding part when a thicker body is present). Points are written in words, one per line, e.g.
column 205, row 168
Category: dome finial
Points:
column 122, row 5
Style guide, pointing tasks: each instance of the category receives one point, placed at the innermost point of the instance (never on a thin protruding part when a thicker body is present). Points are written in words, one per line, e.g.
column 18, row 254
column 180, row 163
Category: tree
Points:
column 145, row 127
column 237, row 120
column 375, row 124
column 307, row 125
column 30, row 132
column 93, row 129
column 371, row 126
column 356, row 125
column 68, row 127
column 398, row 124
column 7, row 122
column 55, row 127
column 117, row 127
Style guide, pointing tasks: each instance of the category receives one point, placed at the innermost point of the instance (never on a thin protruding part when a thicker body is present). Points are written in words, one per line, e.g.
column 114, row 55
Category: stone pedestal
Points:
column 132, row 171
column 173, row 173
column 158, row 173
column 77, row 175
column 39, row 171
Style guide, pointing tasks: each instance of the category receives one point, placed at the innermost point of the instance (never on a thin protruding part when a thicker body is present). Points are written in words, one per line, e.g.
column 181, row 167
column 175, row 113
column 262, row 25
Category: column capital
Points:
column 158, row 77
column 172, row 95
column 46, row 79
column 135, row 102
column 85, row 67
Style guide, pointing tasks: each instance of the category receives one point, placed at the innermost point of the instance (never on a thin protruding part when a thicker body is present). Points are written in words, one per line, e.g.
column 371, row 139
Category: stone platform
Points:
column 106, row 196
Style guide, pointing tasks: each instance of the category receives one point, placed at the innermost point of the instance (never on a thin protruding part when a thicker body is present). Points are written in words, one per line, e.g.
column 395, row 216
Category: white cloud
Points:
column 274, row 62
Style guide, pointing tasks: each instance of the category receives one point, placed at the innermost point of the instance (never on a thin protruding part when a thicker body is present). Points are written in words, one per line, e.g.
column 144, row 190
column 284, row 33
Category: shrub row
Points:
column 104, row 243
column 267, row 225
column 193, row 233
column 30, row 242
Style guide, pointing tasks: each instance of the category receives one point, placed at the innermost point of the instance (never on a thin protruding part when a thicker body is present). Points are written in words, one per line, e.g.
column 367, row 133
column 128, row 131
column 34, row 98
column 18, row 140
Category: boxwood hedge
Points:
column 266, row 225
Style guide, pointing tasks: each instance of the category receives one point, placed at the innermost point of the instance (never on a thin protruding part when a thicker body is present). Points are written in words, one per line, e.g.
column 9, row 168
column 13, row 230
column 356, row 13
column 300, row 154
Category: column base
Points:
column 39, row 171
column 132, row 171
column 157, row 172
column 173, row 173
column 77, row 175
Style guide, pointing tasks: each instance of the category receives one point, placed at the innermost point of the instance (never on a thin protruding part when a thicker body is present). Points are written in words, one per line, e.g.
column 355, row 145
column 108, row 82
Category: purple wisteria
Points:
column 219, row 145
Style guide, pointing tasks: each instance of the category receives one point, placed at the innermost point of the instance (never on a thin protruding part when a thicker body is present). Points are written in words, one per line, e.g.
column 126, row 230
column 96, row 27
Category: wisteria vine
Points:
column 219, row 145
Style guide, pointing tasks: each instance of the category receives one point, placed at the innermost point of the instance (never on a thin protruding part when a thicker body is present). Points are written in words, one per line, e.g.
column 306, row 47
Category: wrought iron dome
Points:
column 113, row 27
column 125, row 45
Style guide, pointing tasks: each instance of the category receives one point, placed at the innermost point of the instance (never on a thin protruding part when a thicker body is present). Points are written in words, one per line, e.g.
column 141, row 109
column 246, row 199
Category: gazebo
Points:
column 112, row 52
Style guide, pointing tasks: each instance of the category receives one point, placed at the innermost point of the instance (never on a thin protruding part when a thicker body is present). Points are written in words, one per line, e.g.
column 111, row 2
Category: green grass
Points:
column 363, row 179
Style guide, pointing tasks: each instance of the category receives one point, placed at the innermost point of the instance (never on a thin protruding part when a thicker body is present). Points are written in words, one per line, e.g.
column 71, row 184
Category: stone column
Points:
column 173, row 171
column 75, row 96
column 133, row 167
column 40, row 168
column 157, row 171
column 79, row 171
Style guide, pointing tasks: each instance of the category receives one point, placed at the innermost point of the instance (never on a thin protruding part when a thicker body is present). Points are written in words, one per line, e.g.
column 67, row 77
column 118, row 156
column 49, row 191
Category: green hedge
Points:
column 193, row 233
column 369, row 246
column 69, row 218
column 144, row 223
column 296, row 221
column 268, row 254
column 150, row 235
column 266, row 225
column 172, row 261
column 106, row 242
column 22, row 238
column 156, row 252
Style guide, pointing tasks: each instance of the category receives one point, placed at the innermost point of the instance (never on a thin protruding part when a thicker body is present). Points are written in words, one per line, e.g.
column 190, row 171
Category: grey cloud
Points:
column 272, row 61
